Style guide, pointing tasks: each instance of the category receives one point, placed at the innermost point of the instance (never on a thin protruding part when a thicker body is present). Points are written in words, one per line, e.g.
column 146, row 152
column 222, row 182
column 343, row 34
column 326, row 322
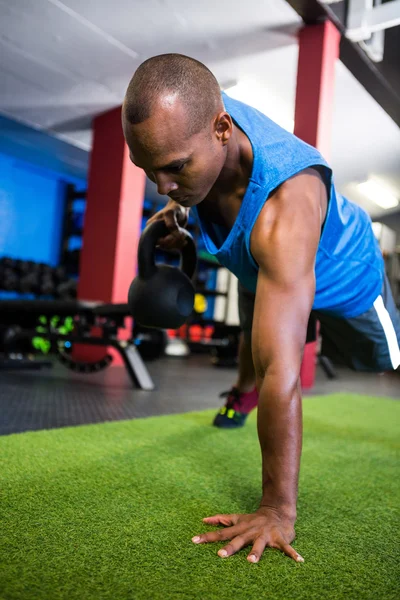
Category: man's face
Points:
column 184, row 168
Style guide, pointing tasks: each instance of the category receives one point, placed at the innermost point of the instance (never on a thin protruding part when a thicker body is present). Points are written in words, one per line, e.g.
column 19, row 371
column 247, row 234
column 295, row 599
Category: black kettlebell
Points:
column 162, row 296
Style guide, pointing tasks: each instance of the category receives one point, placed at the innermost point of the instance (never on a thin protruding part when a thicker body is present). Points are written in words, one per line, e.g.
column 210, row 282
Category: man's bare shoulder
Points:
column 295, row 200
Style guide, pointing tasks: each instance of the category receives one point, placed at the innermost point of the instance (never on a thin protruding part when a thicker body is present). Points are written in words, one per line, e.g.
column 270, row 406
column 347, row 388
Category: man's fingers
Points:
column 171, row 220
column 220, row 535
column 291, row 552
column 174, row 220
column 236, row 544
column 177, row 239
column 222, row 520
column 167, row 242
column 257, row 550
column 259, row 547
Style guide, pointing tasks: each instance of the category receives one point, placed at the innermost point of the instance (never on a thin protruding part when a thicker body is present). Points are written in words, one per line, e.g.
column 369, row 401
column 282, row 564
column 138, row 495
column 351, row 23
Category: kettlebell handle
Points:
column 147, row 250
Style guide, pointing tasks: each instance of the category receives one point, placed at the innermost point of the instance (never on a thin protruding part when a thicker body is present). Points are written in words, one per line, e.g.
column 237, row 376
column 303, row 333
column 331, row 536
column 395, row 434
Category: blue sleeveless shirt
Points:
column 349, row 265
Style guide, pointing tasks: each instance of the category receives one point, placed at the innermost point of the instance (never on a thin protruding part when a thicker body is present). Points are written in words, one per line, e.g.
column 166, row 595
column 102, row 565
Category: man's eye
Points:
column 176, row 169
column 150, row 176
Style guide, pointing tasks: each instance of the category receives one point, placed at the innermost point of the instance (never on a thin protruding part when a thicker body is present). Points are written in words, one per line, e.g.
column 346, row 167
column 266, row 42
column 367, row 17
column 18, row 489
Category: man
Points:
column 269, row 212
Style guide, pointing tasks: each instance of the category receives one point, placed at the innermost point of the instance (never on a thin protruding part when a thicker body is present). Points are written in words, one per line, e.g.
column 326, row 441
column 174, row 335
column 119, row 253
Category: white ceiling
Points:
column 61, row 63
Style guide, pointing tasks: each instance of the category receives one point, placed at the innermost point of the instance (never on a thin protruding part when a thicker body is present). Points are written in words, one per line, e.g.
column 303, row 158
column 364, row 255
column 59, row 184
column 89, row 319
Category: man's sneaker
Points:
column 236, row 408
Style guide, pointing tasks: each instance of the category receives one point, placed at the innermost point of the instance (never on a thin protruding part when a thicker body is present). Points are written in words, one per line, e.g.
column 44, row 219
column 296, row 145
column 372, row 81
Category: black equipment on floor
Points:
column 19, row 362
column 151, row 343
column 20, row 320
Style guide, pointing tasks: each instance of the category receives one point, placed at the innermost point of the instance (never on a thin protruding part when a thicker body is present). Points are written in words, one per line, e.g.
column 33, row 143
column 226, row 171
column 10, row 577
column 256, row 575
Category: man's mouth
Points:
column 180, row 199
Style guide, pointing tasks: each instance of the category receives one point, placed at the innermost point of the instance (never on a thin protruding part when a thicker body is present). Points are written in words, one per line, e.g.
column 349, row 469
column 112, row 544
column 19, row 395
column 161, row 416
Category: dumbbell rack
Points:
column 69, row 258
column 30, row 280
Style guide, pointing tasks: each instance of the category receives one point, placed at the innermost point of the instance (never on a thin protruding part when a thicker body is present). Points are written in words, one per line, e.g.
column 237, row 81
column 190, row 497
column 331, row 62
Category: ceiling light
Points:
column 378, row 192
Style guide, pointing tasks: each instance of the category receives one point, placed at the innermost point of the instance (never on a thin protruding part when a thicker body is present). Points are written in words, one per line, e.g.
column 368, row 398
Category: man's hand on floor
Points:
column 261, row 529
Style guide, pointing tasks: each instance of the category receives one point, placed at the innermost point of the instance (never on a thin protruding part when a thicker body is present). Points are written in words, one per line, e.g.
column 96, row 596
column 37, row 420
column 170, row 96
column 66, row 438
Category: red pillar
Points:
column 113, row 215
column 113, row 218
column 318, row 52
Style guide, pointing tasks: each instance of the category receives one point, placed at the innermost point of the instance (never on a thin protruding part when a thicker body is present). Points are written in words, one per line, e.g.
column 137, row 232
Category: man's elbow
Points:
column 278, row 379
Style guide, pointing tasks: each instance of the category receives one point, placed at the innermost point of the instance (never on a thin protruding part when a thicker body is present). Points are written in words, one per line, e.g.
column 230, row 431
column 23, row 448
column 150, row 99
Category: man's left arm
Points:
column 284, row 243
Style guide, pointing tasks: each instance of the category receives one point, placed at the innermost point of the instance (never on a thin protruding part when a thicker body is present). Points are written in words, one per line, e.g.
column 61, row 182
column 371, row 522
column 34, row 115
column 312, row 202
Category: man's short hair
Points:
column 193, row 82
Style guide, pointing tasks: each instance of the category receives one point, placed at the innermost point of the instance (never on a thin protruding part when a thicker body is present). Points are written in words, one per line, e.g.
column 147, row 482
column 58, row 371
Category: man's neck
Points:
column 223, row 203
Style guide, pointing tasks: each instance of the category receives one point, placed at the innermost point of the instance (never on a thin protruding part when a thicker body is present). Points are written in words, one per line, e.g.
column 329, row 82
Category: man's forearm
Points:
column 280, row 434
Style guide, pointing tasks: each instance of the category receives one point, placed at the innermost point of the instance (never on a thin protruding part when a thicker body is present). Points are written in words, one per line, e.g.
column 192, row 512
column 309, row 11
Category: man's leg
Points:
column 242, row 398
column 369, row 342
column 246, row 380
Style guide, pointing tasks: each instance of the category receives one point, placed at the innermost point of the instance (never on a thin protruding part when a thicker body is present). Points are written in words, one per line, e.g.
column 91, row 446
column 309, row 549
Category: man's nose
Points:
column 165, row 185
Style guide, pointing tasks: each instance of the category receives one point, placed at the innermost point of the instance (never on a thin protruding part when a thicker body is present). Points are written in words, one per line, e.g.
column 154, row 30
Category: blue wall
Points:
column 42, row 150
column 34, row 169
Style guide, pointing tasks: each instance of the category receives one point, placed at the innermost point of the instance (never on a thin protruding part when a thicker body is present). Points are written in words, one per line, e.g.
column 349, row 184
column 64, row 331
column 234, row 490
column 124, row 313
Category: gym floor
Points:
column 47, row 399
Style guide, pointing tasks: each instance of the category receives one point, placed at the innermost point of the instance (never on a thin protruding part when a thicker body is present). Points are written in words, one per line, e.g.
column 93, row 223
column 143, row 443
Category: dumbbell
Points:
column 29, row 284
column 45, row 269
column 27, row 266
column 47, row 285
column 59, row 274
column 8, row 262
column 17, row 266
column 67, row 290
column 9, row 280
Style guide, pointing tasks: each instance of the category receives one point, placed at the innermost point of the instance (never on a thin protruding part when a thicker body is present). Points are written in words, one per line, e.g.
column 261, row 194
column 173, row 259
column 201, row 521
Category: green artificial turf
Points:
column 108, row 511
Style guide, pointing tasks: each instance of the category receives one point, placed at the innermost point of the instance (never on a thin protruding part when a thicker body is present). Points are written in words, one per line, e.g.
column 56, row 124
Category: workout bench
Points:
column 22, row 318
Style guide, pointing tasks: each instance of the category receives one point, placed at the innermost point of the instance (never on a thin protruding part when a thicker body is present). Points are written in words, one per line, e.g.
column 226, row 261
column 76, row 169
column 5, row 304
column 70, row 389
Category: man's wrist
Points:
column 287, row 511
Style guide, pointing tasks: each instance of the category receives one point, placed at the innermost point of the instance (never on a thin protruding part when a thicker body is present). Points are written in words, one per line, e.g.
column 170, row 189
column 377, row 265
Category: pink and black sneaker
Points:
column 236, row 408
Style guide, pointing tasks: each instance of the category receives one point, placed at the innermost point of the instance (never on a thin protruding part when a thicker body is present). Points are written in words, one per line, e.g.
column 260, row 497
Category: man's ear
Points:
column 223, row 127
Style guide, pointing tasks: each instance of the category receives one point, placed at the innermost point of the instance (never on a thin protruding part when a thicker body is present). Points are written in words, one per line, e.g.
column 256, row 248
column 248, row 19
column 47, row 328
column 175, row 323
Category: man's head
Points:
column 175, row 126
